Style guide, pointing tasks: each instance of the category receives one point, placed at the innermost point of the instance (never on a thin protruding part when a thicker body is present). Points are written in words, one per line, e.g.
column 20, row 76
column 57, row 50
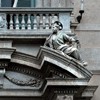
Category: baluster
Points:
column 44, row 21
column 23, row 21
column 52, row 19
column 29, row 22
column 35, row 21
column 6, row 23
column 41, row 21
column 56, row 17
column 38, row 22
column 11, row 21
column 47, row 21
column 17, row 21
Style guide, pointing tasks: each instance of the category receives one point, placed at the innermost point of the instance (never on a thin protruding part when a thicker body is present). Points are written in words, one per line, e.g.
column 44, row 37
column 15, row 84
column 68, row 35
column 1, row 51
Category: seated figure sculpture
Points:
column 63, row 42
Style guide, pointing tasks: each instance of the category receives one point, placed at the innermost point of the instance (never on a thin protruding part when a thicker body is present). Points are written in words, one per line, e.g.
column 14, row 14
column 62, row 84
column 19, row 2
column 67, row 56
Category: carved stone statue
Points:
column 62, row 42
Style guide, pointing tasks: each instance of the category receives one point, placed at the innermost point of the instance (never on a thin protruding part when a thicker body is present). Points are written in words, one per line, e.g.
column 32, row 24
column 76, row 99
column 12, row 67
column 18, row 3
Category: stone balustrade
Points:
column 31, row 21
column 32, row 18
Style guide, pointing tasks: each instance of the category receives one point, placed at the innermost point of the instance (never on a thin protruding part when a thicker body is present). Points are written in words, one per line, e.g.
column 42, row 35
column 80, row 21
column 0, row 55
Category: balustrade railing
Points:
column 32, row 18
column 18, row 19
column 30, row 21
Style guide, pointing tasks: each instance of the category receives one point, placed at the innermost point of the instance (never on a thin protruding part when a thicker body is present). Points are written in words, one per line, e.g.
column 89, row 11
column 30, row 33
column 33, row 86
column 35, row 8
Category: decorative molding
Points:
column 66, row 91
column 24, row 70
column 58, row 73
column 67, row 82
column 35, row 10
column 30, row 82
column 3, row 64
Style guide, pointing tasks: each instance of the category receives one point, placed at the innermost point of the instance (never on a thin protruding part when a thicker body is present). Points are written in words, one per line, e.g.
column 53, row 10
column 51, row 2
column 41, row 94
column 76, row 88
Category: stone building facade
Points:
column 31, row 71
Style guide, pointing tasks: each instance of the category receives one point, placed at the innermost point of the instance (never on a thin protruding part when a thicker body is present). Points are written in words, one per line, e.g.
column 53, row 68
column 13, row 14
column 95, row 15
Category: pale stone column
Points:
column 64, row 18
column 39, row 3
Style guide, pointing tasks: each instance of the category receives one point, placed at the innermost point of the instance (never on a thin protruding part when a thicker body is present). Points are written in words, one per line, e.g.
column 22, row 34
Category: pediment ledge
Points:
column 47, row 55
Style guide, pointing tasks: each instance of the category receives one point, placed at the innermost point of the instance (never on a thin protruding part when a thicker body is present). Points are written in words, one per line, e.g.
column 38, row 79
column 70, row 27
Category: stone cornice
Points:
column 67, row 82
column 35, row 10
column 88, row 91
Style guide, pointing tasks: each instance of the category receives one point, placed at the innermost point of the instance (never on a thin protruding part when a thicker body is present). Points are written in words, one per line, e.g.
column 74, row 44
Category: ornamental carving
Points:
column 23, row 80
column 2, row 21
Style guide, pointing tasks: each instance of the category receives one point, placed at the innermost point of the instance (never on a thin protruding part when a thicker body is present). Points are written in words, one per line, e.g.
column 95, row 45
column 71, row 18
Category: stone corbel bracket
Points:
column 89, row 91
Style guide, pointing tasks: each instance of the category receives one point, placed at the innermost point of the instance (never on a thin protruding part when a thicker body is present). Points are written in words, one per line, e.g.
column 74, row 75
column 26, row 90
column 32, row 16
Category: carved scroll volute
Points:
column 2, row 21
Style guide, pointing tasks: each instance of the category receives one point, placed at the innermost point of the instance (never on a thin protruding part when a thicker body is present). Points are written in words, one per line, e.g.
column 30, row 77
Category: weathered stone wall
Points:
column 89, row 34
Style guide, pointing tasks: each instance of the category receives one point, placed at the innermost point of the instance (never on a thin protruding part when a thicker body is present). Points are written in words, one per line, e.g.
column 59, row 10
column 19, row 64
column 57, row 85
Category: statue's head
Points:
column 58, row 25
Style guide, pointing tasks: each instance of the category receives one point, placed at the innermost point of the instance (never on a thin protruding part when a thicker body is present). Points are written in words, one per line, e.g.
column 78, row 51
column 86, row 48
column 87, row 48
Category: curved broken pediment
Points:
column 50, row 56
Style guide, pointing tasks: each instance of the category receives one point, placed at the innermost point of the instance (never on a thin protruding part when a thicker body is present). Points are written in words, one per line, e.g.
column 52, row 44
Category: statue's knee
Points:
column 75, row 49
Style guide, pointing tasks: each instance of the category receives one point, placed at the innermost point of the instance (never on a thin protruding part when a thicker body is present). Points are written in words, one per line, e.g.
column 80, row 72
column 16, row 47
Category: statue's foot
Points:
column 84, row 63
